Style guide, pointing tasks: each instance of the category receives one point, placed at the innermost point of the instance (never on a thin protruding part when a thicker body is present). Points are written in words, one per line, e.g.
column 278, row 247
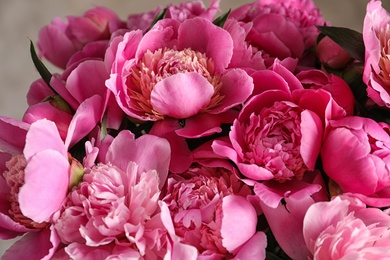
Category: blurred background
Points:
column 20, row 20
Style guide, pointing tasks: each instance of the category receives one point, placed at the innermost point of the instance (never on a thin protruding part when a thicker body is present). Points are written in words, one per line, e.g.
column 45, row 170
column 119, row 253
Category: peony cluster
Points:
column 189, row 133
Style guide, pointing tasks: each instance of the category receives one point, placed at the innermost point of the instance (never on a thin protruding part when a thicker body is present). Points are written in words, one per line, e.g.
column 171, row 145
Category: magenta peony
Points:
column 281, row 29
column 279, row 131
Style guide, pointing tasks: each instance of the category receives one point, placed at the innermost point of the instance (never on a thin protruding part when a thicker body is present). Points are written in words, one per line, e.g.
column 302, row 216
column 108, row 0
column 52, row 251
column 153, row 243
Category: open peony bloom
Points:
column 177, row 76
column 356, row 155
column 376, row 35
column 205, row 205
column 177, row 70
column 115, row 207
column 278, row 132
column 345, row 229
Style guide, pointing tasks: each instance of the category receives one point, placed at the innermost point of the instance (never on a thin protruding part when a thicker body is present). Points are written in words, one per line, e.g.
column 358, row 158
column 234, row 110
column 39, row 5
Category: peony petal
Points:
column 254, row 248
column 202, row 35
column 311, row 130
column 34, row 246
column 237, row 86
column 87, row 80
column 46, row 185
column 125, row 149
column 205, row 124
column 12, row 135
column 87, row 116
column 42, row 135
column 181, row 95
column 237, row 209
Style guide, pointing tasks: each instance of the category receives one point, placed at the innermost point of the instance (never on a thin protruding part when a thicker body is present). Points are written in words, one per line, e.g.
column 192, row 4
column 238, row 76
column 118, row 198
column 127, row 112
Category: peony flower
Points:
column 376, row 35
column 115, row 207
column 344, row 229
column 281, row 29
column 277, row 135
column 332, row 55
column 39, row 240
column 176, row 76
column 355, row 154
column 60, row 40
column 204, row 204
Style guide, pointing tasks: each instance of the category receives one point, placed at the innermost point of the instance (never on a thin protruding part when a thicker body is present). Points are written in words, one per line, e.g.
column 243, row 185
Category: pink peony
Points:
column 59, row 40
column 39, row 240
column 355, row 154
column 205, row 203
column 278, row 132
column 345, row 229
column 281, row 29
column 376, row 35
column 115, row 207
column 176, row 76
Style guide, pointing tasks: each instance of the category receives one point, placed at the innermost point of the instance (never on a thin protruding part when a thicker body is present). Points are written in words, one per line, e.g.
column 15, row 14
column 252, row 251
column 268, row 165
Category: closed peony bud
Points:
column 331, row 55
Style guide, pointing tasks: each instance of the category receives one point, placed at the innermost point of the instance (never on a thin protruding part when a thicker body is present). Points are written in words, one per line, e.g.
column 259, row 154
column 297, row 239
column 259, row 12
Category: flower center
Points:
column 273, row 141
column 384, row 60
column 162, row 63
column 14, row 178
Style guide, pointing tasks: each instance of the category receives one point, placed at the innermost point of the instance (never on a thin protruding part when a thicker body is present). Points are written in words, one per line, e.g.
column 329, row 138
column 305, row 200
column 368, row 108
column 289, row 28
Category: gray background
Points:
column 20, row 21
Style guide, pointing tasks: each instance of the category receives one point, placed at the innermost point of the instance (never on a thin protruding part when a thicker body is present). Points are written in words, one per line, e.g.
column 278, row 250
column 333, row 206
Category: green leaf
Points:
column 158, row 17
column 220, row 20
column 351, row 41
column 42, row 70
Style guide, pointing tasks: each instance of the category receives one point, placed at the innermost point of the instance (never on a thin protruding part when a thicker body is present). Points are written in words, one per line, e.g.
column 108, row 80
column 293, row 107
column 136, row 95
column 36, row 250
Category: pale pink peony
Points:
column 205, row 204
column 281, row 29
column 59, row 40
column 345, row 229
column 356, row 155
column 115, row 208
column 376, row 36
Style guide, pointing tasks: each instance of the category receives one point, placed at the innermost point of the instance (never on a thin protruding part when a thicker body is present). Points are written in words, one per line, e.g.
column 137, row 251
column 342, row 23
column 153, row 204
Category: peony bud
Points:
column 331, row 55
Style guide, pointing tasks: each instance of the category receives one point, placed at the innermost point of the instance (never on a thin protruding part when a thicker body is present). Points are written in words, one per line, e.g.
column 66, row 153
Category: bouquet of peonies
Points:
column 189, row 133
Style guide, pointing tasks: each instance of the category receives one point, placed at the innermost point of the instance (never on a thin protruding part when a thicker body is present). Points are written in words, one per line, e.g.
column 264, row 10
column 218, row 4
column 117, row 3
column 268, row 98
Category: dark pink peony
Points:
column 376, row 35
column 356, row 155
column 340, row 90
column 281, row 29
column 332, row 55
column 279, row 130
column 345, row 228
column 205, row 204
